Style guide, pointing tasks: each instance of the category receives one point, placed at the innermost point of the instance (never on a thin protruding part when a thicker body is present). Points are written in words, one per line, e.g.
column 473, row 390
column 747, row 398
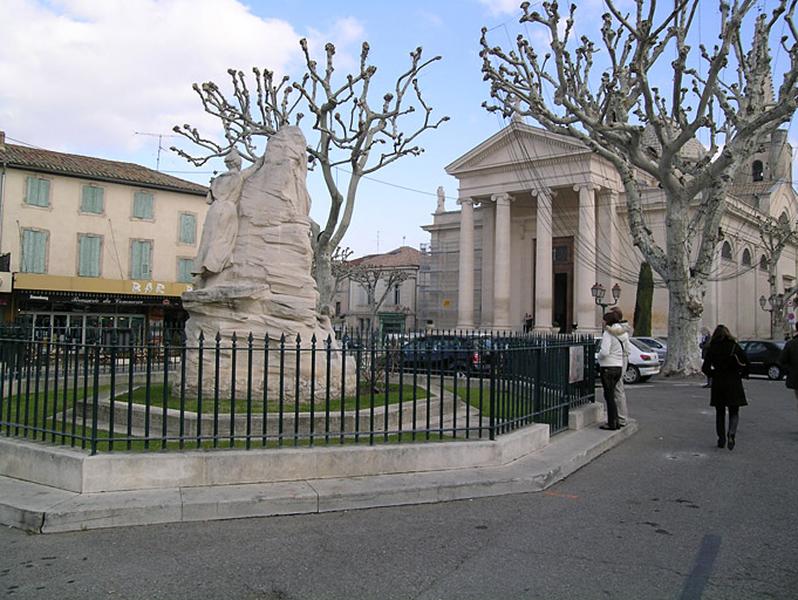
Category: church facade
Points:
column 541, row 219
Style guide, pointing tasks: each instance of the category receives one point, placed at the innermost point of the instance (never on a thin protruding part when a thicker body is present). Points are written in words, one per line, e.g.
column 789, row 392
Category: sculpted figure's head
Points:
column 233, row 160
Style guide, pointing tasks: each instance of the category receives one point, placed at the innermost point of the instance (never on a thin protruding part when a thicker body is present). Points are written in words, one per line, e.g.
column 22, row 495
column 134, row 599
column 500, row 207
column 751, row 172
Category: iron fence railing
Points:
column 247, row 392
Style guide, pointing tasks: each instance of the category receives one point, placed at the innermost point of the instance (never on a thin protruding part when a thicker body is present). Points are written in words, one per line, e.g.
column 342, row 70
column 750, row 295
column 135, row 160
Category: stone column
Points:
column 465, row 280
column 585, row 259
column 608, row 254
column 544, row 277
column 501, row 263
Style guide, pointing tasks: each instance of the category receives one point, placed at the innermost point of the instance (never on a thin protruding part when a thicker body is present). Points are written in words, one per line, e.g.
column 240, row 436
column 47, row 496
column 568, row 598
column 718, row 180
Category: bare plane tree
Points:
column 609, row 112
column 349, row 129
column 775, row 234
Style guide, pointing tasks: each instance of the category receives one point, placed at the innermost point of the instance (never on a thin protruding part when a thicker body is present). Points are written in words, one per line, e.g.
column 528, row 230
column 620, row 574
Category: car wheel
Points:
column 774, row 372
column 632, row 375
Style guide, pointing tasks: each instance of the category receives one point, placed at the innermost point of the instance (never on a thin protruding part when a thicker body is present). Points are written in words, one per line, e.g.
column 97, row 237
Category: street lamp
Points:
column 598, row 291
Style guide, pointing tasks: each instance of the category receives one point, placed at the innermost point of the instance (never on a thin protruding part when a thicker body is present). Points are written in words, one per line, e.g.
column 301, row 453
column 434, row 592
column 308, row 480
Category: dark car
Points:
column 764, row 357
column 448, row 353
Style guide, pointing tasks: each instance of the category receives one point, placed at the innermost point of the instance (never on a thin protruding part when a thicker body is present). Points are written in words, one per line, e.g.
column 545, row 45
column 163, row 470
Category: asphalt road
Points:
column 664, row 515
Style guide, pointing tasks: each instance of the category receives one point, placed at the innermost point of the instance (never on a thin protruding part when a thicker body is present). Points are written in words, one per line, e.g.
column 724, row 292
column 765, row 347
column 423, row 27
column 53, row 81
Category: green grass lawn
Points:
column 157, row 398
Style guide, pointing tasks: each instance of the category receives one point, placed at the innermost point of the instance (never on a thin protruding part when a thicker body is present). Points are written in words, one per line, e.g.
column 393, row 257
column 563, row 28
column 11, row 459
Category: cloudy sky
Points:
column 84, row 76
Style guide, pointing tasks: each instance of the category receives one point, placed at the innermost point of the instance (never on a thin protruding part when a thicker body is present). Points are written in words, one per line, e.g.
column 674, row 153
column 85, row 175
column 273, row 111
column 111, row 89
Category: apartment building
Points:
column 89, row 244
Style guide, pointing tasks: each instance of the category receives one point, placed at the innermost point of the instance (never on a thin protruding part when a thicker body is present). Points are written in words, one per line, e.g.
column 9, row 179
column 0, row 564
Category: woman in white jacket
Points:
column 610, row 358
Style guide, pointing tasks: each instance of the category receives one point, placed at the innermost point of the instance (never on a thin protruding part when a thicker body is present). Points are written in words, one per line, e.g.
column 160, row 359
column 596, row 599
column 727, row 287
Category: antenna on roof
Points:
column 160, row 137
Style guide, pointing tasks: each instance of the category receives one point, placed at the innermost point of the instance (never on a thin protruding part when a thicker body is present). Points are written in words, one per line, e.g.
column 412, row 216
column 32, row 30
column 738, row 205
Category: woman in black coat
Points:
column 726, row 363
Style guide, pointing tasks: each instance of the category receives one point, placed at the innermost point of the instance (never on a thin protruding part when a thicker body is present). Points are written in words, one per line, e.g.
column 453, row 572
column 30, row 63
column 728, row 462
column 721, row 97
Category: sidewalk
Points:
column 42, row 509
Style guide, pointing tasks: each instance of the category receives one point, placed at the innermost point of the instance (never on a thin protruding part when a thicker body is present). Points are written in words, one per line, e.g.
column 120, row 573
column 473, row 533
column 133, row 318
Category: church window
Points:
column 746, row 260
column 726, row 251
column 757, row 170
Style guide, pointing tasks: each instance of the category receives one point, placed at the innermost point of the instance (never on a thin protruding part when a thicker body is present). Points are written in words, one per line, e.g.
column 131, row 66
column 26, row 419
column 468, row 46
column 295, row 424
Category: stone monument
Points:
column 254, row 276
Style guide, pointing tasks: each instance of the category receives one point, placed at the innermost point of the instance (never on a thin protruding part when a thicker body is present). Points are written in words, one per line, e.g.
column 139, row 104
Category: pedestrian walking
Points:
column 789, row 362
column 703, row 343
column 622, row 330
column 726, row 365
column 610, row 358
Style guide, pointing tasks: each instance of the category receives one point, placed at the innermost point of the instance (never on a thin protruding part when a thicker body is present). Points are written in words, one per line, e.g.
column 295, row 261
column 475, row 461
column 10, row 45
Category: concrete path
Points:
column 43, row 509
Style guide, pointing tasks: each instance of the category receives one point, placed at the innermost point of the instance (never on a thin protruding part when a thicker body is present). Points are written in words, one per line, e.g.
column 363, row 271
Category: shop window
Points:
column 89, row 252
column 142, row 205
column 188, row 228
column 92, row 199
column 34, row 251
column 141, row 259
column 38, row 191
column 184, row 268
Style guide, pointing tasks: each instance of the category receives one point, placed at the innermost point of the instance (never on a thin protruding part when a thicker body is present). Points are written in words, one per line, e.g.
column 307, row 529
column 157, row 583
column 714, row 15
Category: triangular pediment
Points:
column 516, row 143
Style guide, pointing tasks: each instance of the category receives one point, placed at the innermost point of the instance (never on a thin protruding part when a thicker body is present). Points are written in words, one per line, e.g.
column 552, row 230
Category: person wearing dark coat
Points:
column 789, row 362
column 726, row 364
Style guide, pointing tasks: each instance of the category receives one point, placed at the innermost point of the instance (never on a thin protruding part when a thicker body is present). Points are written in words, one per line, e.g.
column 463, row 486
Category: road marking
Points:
column 558, row 495
column 702, row 568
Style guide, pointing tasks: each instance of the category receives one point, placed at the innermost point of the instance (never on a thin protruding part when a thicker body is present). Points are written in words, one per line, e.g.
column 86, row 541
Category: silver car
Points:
column 657, row 345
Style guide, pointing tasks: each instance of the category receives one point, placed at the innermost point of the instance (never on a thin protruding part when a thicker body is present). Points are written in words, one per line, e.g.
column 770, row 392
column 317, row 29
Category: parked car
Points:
column 448, row 353
column 656, row 344
column 764, row 357
column 643, row 362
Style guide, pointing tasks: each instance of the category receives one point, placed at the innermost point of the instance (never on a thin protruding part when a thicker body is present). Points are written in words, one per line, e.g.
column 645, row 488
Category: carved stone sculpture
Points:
column 264, row 286
column 441, row 200
column 220, row 230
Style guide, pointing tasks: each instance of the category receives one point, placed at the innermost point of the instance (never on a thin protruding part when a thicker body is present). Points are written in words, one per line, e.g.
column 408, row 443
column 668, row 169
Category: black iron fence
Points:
column 247, row 392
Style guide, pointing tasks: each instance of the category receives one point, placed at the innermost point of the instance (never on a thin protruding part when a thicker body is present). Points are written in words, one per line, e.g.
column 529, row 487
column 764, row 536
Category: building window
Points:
column 141, row 259
column 38, row 191
column 763, row 263
column 142, row 205
column 757, row 170
column 92, row 199
column 397, row 294
column 188, row 228
column 34, row 251
column 89, row 252
column 338, row 309
column 746, row 258
column 726, row 251
column 184, row 268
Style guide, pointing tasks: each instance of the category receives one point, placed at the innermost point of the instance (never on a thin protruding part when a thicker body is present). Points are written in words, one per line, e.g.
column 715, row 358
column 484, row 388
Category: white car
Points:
column 643, row 362
column 657, row 345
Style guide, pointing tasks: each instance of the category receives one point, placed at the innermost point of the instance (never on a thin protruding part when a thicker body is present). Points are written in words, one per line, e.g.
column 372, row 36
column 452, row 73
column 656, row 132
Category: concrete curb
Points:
column 42, row 509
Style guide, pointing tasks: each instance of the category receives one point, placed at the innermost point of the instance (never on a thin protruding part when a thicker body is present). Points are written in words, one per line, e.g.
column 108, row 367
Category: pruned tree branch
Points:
column 624, row 117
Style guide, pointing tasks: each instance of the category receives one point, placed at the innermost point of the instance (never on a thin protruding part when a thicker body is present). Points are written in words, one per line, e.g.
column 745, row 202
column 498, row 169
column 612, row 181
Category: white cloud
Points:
column 81, row 74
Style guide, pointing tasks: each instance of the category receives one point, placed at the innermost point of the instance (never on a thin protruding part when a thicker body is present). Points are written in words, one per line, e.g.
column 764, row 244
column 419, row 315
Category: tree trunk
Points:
column 684, row 355
column 325, row 282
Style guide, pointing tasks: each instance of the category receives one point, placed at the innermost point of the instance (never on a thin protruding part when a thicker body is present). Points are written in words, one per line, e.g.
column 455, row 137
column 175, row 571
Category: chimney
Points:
column 2, row 141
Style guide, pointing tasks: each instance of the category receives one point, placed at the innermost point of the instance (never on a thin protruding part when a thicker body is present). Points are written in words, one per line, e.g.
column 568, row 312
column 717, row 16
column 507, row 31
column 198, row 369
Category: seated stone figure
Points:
column 220, row 229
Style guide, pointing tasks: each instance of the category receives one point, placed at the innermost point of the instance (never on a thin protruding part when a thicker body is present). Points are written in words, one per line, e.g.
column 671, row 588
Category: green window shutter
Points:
column 142, row 205
column 188, row 228
column 38, row 191
column 89, row 256
column 34, row 251
column 141, row 260
column 184, row 268
column 92, row 200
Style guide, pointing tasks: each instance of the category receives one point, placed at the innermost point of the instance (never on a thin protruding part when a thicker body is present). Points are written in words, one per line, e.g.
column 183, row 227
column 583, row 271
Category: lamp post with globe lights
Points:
column 598, row 292
column 774, row 304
